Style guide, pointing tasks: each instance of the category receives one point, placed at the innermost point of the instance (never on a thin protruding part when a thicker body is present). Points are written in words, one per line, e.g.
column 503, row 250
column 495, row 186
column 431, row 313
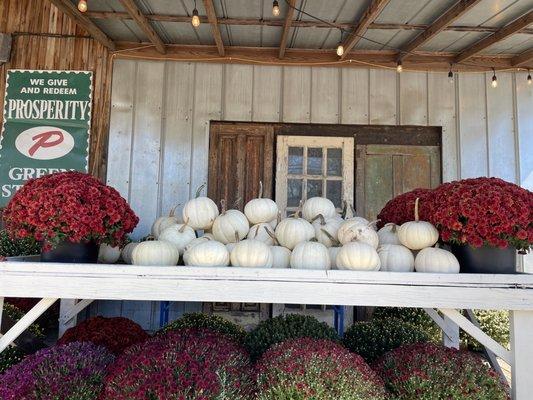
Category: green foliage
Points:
column 213, row 323
column 284, row 327
column 17, row 247
column 10, row 357
column 373, row 339
column 493, row 323
column 15, row 314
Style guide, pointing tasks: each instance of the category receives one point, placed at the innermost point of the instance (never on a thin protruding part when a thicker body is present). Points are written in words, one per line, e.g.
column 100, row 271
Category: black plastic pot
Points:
column 67, row 252
column 486, row 259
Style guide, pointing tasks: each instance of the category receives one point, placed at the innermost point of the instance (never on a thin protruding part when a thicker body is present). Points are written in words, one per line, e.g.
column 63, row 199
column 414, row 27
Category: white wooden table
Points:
column 444, row 292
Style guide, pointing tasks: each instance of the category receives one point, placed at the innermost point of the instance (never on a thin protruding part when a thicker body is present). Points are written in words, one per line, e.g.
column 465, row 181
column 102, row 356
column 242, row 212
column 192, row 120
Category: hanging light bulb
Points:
column 529, row 80
column 275, row 8
column 195, row 21
column 399, row 67
column 340, row 47
column 450, row 74
column 494, row 82
column 82, row 6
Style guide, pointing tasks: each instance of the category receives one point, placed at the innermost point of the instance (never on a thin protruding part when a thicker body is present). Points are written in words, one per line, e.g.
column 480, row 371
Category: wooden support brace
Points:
column 28, row 319
column 522, row 349
column 74, row 311
column 65, row 322
column 478, row 334
column 1, row 310
column 450, row 330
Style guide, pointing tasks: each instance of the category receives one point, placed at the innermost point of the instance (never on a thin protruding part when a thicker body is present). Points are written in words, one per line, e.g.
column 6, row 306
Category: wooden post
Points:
column 1, row 310
column 65, row 320
column 451, row 339
column 522, row 349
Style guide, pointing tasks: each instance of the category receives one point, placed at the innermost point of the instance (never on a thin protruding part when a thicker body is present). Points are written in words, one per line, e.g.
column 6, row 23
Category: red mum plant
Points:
column 116, row 334
column 401, row 208
column 427, row 371
column 318, row 369
column 69, row 206
column 482, row 211
column 185, row 364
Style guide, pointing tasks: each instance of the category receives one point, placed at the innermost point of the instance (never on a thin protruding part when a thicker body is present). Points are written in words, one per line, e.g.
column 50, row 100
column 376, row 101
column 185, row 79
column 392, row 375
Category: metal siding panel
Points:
column 296, row 94
column 447, row 40
column 524, row 107
column 177, row 136
column 383, row 97
column 514, row 44
column 472, row 125
column 354, row 100
column 495, row 13
column 500, row 126
column 266, row 93
column 146, row 152
column 413, row 98
column 238, row 88
column 325, row 95
column 441, row 112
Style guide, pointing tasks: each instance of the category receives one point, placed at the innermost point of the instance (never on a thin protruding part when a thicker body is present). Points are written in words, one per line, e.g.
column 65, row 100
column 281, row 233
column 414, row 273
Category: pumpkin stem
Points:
column 373, row 222
column 237, row 237
column 237, row 202
column 279, row 217
column 344, row 209
column 271, row 234
column 182, row 228
column 330, row 237
column 416, row 209
column 199, row 190
column 173, row 210
column 222, row 206
column 260, row 195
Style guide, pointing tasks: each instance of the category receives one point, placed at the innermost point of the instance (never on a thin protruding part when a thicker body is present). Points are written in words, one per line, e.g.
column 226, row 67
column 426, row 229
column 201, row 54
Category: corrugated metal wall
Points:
column 158, row 149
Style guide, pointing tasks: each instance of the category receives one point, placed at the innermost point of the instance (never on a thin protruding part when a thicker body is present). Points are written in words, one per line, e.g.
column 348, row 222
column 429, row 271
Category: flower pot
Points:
column 485, row 259
column 68, row 252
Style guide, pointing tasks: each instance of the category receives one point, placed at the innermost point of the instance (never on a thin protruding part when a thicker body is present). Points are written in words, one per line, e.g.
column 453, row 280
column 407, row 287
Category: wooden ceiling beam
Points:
column 286, row 28
column 508, row 30
column 66, row 7
column 372, row 12
column 422, row 61
column 523, row 59
column 144, row 24
column 445, row 20
column 295, row 23
column 213, row 21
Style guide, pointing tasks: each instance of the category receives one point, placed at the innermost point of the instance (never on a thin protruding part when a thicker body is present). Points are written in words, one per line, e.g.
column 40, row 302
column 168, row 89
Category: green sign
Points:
column 47, row 121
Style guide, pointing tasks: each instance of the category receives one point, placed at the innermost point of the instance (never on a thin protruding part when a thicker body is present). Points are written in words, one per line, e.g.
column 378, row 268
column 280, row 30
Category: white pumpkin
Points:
column 200, row 212
column 396, row 258
column 251, row 253
column 326, row 230
column 230, row 226
column 291, row 231
column 261, row 210
column 197, row 241
column 389, row 234
column 355, row 229
column 180, row 235
column 155, row 252
column 417, row 235
column 281, row 257
column 333, row 251
column 208, row 235
column 318, row 205
column 263, row 232
column 435, row 260
column 127, row 252
column 366, row 234
column 208, row 254
column 164, row 222
column 358, row 256
column 310, row 255
column 231, row 246
column 108, row 254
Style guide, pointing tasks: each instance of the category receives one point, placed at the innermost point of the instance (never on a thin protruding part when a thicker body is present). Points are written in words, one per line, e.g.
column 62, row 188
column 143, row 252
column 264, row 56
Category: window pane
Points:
column 296, row 160
column 314, row 188
column 314, row 161
column 334, row 192
column 294, row 192
column 335, row 162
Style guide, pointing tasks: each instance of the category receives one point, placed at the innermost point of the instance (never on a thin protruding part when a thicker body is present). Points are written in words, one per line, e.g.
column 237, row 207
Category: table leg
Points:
column 1, row 310
column 522, row 349
column 65, row 305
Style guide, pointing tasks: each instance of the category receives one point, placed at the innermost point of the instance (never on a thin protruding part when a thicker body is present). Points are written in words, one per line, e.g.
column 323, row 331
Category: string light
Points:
column 494, row 82
column 399, row 67
column 275, row 8
column 450, row 74
column 195, row 21
column 82, row 6
column 340, row 47
column 529, row 80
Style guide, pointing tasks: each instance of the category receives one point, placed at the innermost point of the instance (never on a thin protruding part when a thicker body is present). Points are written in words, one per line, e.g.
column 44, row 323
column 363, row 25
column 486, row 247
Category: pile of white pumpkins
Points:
column 315, row 237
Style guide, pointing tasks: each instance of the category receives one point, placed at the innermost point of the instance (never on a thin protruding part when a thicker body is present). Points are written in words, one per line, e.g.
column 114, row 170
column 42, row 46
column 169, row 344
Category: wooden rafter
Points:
column 286, row 28
column 71, row 10
column 508, row 30
column 372, row 12
column 446, row 19
column 144, row 24
column 295, row 23
column 522, row 59
column 212, row 18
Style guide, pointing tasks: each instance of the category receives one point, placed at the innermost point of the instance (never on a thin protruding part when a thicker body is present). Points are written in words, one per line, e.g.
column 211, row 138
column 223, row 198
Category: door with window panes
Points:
column 310, row 166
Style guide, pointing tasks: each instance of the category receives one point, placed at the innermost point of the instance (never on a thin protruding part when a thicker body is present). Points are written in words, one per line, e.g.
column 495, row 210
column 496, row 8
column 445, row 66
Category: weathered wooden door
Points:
column 385, row 171
column 240, row 156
